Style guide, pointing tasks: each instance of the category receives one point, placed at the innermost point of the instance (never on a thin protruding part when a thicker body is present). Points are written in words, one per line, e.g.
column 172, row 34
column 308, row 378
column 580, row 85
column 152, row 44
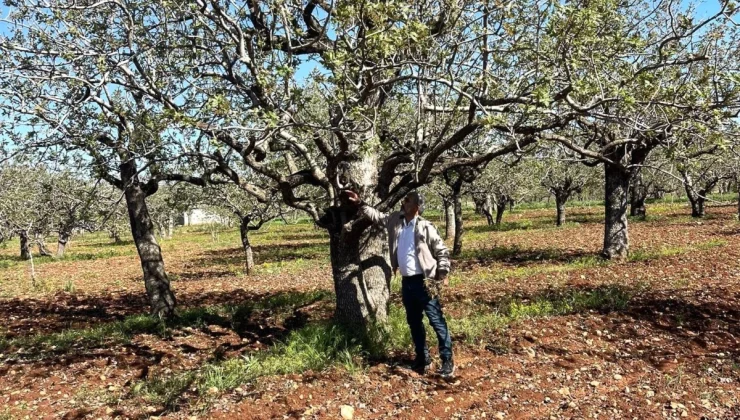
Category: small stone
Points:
column 547, row 400
column 594, row 383
column 500, row 415
column 650, row 393
column 564, row 391
column 531, row 353
column 572, row 404
column 347, row 412
column 617, row 377
column 213, row 390
column 684, row 413
column 449, row 399
column 109, row 411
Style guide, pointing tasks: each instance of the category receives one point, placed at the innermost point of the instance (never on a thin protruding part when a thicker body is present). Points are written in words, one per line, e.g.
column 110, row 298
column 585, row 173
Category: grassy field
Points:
column 542, row 327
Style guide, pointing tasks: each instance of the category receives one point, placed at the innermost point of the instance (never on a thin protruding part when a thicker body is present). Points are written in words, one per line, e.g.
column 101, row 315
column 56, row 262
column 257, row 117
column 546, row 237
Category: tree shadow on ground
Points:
column 314, row 236
column 260, row 323
column 200, row 275
column 517, row 255
column 267, row 254
column 704, row 329
column 64, row 311
column 688, row 328
column 536, row 223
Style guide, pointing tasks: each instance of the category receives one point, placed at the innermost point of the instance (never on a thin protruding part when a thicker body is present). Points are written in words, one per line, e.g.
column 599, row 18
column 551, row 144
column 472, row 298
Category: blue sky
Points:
column 704, row 8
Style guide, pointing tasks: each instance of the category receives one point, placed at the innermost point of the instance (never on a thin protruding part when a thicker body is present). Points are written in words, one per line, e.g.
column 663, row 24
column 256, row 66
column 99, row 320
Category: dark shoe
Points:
column 447, row 370
column 420, row 364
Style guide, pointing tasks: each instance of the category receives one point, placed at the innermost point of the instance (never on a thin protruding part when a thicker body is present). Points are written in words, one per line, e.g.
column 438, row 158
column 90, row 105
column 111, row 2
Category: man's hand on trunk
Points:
column 353, row 197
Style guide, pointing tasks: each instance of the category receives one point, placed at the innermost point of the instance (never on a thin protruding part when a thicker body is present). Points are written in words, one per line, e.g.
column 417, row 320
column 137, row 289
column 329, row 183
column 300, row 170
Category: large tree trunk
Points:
column 362, row 271
column 616, row 238
column 62, row 243
column 560, row 199
column 449, row 218
column 457, row 244
column 479, row 203
column 500, row 209
column 246, row 246
column 637, row 202
column 696, row 199
column 25, row 245
column 638, row 194
column 161, row 298
column 43, row 250
column 487, row 210
column 697, row 205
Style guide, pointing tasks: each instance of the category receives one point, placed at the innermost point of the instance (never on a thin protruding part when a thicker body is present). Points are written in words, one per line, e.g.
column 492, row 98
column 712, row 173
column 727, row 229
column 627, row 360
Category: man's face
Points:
column 410, row 206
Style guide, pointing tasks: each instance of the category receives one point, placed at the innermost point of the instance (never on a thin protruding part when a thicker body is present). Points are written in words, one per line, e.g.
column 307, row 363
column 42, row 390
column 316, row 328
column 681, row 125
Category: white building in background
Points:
column 201, row 217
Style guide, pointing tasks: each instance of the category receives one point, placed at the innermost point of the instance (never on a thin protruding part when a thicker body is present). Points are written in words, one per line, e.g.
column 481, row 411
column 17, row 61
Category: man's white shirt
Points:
column 408, row 261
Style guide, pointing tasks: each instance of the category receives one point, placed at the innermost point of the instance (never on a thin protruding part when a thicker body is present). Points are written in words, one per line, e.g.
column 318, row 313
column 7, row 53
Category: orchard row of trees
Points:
column 294, row 101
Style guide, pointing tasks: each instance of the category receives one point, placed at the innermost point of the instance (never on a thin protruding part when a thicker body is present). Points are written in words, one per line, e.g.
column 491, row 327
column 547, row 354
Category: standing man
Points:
column 421, row 255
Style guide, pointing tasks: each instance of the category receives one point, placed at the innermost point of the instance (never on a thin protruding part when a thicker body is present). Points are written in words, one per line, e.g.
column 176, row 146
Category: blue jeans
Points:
column 417, row 301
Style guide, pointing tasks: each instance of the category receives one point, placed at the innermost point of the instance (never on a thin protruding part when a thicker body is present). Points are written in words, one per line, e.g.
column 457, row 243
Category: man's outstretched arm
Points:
column 366, row 210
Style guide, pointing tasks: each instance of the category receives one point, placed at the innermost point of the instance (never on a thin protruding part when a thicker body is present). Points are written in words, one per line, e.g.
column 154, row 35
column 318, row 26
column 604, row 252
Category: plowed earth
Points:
column 671, row 352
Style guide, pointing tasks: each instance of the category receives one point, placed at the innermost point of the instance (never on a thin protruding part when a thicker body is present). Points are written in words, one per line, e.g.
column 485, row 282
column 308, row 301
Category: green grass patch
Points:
column 314, row 347
column 123, row 331
column 321, row 345
column 645, row 255
column 114, row 332
column 539, row 205
column 562, row 303
column 714, row 243
column 483, row 321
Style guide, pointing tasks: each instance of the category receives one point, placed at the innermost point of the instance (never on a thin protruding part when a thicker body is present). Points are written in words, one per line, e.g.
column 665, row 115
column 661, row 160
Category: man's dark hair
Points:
column 419, row 198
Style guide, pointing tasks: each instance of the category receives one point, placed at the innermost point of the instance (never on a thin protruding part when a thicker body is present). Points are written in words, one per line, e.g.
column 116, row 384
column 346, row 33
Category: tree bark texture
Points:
column 616, row 237
column 361, row 270
column 62, row 243
column 161, row 298
column 560, row 200
column 246, row 246
column 25, row 245
column 458, row 242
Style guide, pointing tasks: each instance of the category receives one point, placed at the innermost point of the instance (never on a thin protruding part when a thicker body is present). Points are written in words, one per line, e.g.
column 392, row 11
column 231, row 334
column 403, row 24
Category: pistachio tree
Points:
column 67, row 83
column 641, row 74
column 24, row 212
column 563, row 176
column 398, row 93
column 249, row 212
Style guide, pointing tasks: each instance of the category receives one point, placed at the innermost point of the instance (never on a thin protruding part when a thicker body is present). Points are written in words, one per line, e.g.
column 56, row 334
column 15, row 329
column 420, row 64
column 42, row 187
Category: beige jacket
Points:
column 430, row 248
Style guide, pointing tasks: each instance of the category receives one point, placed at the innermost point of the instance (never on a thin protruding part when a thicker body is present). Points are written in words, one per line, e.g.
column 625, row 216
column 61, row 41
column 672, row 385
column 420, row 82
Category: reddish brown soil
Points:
column 671, row 353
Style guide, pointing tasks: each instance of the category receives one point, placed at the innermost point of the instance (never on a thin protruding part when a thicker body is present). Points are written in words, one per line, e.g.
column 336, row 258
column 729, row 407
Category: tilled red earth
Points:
column 671, row 353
